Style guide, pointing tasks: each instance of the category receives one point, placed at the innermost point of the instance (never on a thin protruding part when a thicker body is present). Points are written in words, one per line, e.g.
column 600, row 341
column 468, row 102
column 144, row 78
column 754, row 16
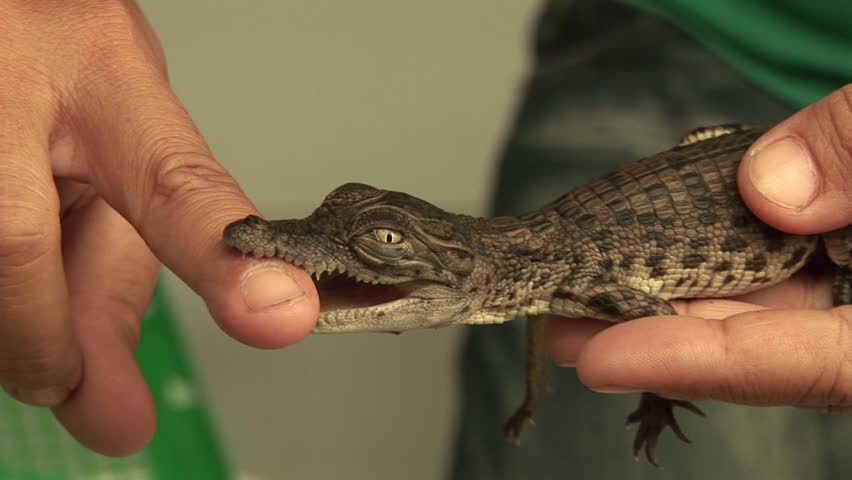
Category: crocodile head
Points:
column 381, row 260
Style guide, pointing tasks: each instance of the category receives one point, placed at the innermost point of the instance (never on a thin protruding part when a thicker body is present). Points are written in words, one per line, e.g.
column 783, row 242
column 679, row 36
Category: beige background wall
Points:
column 295, row 98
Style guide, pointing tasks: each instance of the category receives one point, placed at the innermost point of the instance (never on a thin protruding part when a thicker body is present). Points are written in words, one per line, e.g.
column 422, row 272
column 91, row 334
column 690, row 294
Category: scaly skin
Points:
column 669, row 226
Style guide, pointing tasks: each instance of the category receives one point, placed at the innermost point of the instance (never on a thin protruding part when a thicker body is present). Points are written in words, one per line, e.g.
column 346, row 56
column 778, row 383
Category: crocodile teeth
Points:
column 321, row 268
column 316, row 271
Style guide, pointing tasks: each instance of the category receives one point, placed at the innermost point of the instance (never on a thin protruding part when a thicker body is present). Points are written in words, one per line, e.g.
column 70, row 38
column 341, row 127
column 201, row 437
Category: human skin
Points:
column 103, row 175
column 784, row 345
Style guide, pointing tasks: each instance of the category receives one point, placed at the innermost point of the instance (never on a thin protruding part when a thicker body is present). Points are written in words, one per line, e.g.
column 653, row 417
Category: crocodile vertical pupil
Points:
column 388, row 236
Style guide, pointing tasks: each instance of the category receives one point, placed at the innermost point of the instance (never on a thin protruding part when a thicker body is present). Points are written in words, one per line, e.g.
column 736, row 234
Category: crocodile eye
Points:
column 388, row 236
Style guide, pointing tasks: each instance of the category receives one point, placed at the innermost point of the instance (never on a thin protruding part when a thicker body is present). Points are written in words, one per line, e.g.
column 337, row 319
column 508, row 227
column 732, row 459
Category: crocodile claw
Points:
column 653, row 415
column 516, row 423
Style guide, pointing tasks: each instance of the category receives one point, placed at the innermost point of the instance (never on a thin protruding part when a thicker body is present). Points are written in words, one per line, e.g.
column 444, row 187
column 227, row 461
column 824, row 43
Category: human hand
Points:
column 102, row 172
column 784, row 345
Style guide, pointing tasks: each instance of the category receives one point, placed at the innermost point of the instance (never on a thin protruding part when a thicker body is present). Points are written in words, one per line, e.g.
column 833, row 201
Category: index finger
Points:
column 154, row 168
column 766, row 357
column 566, row 337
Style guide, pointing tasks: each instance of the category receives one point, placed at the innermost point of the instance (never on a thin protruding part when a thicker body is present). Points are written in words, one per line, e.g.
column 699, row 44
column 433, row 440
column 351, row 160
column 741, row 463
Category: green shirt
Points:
column 799, row 50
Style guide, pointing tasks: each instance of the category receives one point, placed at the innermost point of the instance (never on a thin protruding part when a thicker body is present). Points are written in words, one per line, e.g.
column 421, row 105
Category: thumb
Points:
column 797, row 177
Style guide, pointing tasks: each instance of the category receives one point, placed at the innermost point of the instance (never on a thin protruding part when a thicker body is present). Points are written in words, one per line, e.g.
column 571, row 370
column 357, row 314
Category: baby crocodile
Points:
column 618, row 248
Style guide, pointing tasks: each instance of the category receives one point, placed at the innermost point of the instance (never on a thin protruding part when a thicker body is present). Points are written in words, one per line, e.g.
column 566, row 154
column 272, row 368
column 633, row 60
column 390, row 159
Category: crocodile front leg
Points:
column 535, row 381
column 614, row 302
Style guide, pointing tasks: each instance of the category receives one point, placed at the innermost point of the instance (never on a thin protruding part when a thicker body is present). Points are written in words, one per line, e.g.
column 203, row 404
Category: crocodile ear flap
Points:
column 437, row 229
column 460, row 261
column 445, row 242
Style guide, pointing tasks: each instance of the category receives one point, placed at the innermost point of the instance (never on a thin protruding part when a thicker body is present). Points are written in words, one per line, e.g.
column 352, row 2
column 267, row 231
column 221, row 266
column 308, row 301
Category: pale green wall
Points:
column 296, row 97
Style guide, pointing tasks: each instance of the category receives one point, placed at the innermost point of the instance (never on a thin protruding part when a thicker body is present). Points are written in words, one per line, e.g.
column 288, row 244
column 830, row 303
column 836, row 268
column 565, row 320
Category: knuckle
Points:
column 180, row 178
column 731, row 387
column 105, row 21
column 30, row 212
column 41, row 367
column 153, row 48
column 25, row 237
column 831, row 383
column 184, row 169
column 839, row 113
